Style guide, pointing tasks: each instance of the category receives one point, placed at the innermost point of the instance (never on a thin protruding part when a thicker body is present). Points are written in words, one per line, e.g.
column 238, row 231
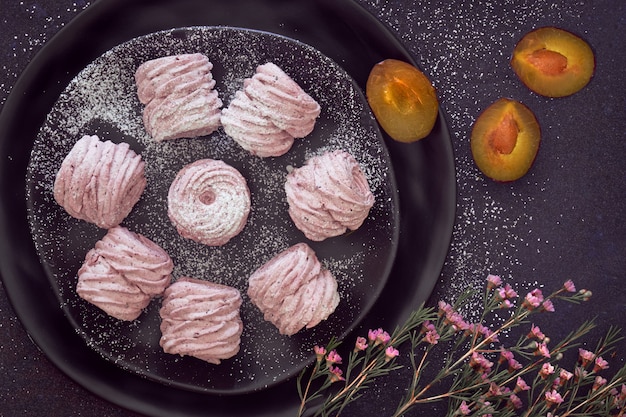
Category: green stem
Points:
column 599, row 393
column 306, row 390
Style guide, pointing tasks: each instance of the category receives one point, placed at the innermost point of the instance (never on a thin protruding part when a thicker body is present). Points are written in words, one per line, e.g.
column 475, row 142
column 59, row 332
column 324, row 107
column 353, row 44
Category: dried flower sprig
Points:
column 371, row 357
column 485, row 378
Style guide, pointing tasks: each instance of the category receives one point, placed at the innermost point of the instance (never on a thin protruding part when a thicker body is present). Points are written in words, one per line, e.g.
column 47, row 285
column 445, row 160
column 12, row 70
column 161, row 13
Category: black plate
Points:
column 102, row 99
column 340, row 30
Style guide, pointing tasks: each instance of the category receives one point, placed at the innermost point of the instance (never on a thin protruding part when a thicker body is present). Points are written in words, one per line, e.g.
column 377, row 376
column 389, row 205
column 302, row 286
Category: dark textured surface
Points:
column 564, row 220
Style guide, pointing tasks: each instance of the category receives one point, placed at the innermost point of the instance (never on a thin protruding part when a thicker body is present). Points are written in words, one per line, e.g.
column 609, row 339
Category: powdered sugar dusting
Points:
column 102, row 100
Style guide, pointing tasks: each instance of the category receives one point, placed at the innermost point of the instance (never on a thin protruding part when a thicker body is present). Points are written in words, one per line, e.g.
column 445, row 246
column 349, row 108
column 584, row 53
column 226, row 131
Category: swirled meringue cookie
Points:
column 179, row 96
column 328, row 195
column 123, row 272
column 293, row 290
column 100, row 182
column 209, row 202
column 269, row 112
column 201, row 319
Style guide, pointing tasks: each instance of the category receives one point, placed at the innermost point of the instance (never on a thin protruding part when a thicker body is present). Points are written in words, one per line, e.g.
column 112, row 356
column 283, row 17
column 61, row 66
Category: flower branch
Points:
column 485, row 378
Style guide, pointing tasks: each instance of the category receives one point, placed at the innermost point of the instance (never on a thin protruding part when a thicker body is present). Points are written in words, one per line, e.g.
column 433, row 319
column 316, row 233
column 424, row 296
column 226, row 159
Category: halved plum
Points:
column 553, row 62
column 505, row 140
column 402, row 99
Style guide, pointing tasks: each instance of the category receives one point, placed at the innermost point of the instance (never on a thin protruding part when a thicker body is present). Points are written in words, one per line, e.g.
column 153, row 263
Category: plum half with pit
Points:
column 553, row 62
column 505, row 140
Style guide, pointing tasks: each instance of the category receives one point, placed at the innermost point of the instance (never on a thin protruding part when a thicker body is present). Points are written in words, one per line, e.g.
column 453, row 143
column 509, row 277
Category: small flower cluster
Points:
column 485, row 378
column 331, row 359
column 370, row 358
column 376, row 338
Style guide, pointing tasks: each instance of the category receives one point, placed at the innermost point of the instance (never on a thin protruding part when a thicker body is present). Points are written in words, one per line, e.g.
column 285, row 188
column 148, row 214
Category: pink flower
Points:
column 361, row 344
column 480, row 329
column 598, row 382
column 333, row 357
column 569, row 286
column 490, row 336
column 547, row 306
column 452, row 317
column 533, row 299
column 382, row 338
column 535, row 332
column 444, row 309
column 494, row 390
column 506, row 293
column 600, row 364
column 464, row 409
column 564, row 376
column 480, row 363
column 542, row 350
column 391, row 353
column 579, row 373
column 514, row 365
column 493, row 281
column 431, row 337
column 505, row 355
column 585, row 356
column 373, row 334
column 336, row 374
column 320, row 352
column 553, row 398
column 521, row 385
column 546, row 370
column 515, row 401
column 457, row 322
column 509, row 292
column 378, row 336
column 620, row 396
column 426, row 326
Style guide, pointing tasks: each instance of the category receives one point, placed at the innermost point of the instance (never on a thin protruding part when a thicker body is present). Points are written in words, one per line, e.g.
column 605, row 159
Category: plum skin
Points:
column 402, row 99
column 553, row 62
column 505, row 140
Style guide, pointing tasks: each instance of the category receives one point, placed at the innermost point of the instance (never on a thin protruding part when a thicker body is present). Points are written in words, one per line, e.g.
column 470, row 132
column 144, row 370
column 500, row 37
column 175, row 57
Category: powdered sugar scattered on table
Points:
column 447, row 39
